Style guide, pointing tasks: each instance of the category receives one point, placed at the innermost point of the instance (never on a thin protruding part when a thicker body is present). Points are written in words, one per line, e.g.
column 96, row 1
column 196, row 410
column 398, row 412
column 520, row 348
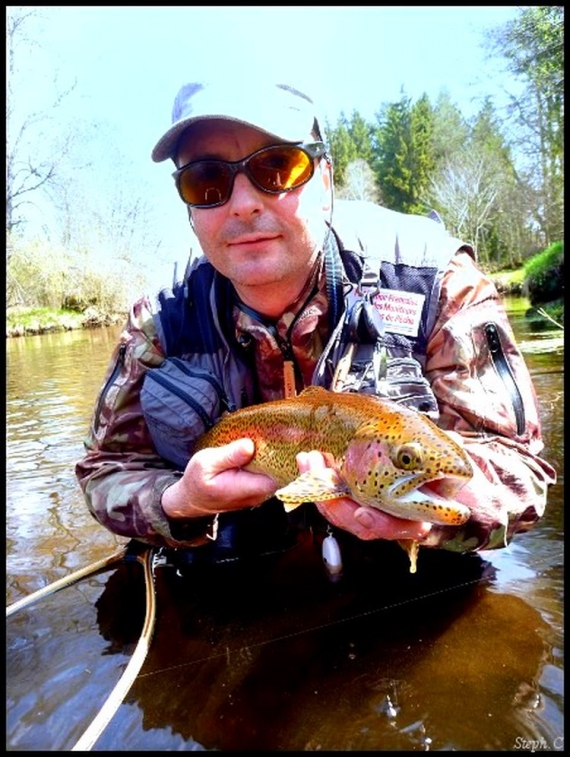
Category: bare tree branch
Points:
column 359, row 182
column 26, row 171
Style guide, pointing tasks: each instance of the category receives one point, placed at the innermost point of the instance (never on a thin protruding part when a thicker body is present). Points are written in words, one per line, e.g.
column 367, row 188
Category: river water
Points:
column 467, row 654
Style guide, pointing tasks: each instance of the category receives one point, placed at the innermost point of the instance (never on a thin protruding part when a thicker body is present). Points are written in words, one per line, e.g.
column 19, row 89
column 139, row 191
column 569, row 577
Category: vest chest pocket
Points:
column 372, row 361
column 179, row 404
column 374, row 370
column 404, row 382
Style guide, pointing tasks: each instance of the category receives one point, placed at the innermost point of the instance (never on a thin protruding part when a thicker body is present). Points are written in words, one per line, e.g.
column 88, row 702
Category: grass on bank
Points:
column 509, row 282
column 22, row 321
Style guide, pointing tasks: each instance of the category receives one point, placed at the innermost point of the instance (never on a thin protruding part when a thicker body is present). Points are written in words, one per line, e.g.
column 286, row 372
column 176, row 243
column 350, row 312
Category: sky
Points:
column 129, row 62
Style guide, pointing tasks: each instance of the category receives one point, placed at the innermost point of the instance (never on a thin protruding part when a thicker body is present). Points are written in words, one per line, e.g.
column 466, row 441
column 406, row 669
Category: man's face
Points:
column 258, row 240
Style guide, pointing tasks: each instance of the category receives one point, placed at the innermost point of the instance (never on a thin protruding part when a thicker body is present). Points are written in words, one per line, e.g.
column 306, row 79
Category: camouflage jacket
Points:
column 123, row 476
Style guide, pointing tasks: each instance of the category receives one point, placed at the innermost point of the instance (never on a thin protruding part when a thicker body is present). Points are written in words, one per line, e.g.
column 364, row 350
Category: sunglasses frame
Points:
column 311, row 149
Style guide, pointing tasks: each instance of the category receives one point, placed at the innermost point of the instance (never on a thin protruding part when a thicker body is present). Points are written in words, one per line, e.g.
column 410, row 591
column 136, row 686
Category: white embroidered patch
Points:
column 401, row 311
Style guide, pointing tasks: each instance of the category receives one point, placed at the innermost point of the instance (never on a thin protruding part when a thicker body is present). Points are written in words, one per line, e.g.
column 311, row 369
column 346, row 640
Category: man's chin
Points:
column 261, row 274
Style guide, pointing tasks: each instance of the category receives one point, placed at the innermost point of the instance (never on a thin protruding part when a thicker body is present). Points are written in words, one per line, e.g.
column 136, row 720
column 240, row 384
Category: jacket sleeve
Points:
column 487, row 400
column 121, row 474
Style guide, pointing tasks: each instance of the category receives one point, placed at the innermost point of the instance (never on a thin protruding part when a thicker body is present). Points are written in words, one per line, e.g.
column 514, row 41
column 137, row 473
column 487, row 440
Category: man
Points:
column 257, row 316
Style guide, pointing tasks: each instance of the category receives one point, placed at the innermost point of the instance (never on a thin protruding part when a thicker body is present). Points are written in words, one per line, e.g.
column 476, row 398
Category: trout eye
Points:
column 408, row 456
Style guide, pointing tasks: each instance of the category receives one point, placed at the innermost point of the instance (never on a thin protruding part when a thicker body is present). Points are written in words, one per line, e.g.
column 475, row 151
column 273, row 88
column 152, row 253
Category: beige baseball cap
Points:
column 280, row 110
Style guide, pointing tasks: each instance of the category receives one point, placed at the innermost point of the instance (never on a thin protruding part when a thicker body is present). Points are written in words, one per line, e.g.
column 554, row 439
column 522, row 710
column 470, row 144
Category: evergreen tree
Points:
column 361, row 136
column 392, row 165
column 350, row 141
column 422, row 157
column 405, row 156
column 450, row 130
column 342, row 149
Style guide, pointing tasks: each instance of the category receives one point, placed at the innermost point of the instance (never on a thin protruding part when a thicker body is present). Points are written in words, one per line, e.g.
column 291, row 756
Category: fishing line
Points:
column 228, row 652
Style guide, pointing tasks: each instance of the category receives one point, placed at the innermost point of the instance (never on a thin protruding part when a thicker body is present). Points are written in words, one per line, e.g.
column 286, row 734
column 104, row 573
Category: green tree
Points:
column 405, row 156
column 476, row 187
column 450, row 130
column 349, row 141
column 361, row 137
column 341, row 148
column 392, row 165
column 422, row 159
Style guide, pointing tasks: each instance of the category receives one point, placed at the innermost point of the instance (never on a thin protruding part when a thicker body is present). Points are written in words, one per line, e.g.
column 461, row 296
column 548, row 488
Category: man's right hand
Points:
column 214, row 481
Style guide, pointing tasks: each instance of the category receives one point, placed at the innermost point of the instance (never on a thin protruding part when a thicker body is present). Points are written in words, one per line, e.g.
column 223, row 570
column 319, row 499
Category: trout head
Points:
column 407, row 466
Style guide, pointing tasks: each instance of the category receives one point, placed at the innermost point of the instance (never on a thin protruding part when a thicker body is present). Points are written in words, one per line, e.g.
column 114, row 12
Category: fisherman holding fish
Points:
column 338, row 366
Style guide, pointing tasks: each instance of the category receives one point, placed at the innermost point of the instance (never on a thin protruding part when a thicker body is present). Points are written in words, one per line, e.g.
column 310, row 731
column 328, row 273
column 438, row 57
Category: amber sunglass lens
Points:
column 282, row 169
column 205, row 183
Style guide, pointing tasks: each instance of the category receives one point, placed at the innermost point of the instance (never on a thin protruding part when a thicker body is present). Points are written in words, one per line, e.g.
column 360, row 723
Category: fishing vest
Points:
column 378, row 342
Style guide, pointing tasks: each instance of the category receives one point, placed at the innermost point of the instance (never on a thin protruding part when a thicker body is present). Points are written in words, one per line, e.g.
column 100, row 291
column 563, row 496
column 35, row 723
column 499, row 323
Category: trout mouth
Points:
column 433, row 501
column 443, row 488
column 440, row 489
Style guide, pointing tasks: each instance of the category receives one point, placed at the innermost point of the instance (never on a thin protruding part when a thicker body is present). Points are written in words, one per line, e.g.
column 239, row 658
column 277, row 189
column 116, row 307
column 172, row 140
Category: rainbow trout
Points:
column 383, row 454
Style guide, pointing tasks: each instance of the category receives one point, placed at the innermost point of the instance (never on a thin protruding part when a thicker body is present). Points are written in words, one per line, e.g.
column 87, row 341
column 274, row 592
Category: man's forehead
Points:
column 207, row 137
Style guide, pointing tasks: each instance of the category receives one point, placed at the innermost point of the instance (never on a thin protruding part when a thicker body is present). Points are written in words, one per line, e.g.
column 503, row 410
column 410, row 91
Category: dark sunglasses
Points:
column 274, row 169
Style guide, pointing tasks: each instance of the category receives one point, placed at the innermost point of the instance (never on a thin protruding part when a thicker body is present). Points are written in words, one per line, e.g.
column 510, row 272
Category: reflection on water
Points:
column 466, row 654
column 52, row 382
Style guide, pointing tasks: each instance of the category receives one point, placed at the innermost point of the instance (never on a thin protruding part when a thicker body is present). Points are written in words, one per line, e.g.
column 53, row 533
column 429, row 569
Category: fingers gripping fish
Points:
column 381, row 454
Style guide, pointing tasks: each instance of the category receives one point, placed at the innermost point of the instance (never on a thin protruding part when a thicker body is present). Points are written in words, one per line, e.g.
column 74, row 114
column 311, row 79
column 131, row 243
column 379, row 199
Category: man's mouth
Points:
column 251, row 239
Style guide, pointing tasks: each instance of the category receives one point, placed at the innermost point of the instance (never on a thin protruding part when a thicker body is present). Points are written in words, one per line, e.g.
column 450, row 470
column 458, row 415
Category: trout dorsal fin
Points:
column 314, row 391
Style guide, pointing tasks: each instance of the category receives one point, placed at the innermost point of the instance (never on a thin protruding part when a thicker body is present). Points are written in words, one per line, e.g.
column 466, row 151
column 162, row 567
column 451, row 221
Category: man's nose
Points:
column 245, row 199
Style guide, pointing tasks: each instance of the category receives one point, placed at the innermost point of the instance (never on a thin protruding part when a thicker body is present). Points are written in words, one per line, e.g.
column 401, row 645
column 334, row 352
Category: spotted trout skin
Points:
column 382, row 454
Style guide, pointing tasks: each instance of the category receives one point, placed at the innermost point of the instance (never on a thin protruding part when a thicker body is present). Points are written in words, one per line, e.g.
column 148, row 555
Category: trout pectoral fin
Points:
column 312, row 486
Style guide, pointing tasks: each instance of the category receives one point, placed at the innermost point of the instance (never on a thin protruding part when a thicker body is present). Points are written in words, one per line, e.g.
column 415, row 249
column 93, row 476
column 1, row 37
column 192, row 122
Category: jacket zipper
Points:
column 116, row 370
column 503, row 370
column 207, row 377
column 184, row 396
